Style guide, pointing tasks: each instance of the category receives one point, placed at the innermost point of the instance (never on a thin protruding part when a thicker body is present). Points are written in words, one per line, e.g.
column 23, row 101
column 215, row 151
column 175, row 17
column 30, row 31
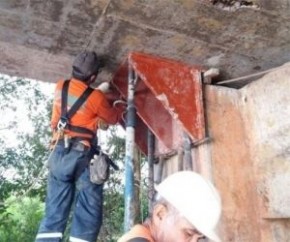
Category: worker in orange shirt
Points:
column 187, row 208
column 77, row 111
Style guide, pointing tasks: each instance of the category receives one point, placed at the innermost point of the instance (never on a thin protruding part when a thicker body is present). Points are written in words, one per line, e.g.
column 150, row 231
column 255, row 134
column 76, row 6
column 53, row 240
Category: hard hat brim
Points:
column 202, row 208
column 209, row 234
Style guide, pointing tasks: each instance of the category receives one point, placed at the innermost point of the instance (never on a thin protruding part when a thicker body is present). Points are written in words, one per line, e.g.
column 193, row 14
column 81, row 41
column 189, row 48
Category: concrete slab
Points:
column 240, row 41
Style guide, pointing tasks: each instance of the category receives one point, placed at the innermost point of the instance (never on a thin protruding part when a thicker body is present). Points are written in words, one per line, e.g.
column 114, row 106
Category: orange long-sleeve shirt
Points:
column 95, row 107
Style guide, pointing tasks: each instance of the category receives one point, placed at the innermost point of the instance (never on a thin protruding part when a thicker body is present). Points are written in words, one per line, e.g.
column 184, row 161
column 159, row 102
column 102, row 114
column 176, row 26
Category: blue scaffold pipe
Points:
column 129, row 216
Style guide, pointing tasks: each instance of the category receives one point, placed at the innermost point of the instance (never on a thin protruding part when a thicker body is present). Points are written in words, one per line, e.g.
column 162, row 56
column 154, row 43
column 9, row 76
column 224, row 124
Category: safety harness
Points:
column 100, row 162
column 64, row 121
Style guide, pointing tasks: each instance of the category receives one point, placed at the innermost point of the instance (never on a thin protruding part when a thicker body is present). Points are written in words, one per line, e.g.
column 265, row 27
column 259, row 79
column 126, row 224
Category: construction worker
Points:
column 74, row 131
column 187, row 208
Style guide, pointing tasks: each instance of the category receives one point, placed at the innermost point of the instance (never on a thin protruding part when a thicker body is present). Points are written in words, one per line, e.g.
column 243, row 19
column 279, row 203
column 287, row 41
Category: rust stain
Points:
column 127, row 4
column 210, row 23
column 188, row 4
column 130, row 40
column 177, row 40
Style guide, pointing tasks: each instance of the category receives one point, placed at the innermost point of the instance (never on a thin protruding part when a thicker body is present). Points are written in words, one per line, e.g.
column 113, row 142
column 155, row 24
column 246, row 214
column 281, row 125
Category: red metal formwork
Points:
column 168, row 99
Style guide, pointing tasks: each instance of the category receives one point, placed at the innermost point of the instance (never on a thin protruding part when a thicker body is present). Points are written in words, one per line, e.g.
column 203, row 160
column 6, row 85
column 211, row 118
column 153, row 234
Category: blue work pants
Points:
column 69, row 179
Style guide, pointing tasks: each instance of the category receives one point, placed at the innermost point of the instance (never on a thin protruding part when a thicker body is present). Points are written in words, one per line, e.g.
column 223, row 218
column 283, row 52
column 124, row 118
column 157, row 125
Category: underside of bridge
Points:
column 39, row 38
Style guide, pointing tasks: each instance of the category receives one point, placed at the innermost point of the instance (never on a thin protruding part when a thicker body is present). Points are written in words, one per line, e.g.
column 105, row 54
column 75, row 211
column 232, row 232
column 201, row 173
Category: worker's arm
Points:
column 56, row 105
column 105, row 111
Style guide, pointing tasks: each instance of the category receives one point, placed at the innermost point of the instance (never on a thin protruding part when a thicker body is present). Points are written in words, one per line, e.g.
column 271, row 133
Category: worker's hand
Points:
column 121, row 107
column 102, row 124
column 120, row 104
column 104, row 87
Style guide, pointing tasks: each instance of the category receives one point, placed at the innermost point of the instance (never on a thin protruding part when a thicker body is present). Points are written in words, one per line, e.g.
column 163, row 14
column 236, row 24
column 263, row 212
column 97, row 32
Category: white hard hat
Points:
column 195, row 198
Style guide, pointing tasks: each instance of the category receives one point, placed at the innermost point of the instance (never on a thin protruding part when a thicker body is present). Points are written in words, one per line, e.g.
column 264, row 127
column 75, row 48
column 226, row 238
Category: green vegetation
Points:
column 20, row 218
column 22, row 154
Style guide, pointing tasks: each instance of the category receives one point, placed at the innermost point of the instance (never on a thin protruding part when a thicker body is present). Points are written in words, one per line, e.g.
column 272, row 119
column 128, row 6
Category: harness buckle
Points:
column 66, row 141
column 62, row 123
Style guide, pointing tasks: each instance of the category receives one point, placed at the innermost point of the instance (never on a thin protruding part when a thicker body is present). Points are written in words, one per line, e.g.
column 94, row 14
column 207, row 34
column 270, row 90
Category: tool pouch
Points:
column 99, row 168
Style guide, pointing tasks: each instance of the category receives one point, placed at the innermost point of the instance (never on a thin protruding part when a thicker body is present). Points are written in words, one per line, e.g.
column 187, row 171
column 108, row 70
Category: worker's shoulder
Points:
column 81, row 87
column 59, row 83
column 98, row 94
column 138, row 233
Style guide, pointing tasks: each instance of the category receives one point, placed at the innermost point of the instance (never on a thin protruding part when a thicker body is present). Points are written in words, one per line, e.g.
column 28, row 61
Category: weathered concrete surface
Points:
column 232, row 169
column 22, row 61
column 266, row 106
column 248, row 157
column 266, row 103
column 193, row 31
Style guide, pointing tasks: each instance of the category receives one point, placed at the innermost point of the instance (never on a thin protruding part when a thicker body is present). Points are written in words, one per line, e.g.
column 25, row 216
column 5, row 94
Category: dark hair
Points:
column 86, row 64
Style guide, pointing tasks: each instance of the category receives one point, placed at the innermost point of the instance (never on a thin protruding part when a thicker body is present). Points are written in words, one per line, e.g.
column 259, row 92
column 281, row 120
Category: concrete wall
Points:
column 248, row 157
column 266, row 104
column 232, row 169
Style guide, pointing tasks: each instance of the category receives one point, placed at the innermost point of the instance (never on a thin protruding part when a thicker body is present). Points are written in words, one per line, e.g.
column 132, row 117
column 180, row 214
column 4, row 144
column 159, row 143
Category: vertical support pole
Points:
column 151, row 146
column 129, row 156
column 159, row 172
column 137, row 186
column 180, row 159
column 187, row 152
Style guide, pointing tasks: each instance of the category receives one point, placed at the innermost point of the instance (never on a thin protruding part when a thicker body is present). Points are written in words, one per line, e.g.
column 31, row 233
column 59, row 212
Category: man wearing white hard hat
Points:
column 187, row 208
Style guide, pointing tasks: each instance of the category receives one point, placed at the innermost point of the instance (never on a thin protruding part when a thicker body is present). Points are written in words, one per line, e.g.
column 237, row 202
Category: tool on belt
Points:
column 99, row 165
column 100, row 168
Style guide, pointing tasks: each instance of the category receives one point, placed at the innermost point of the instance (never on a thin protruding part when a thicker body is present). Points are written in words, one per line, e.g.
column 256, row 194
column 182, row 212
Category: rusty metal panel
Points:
column 177, row 86
column 168, row 98
column 150, row 111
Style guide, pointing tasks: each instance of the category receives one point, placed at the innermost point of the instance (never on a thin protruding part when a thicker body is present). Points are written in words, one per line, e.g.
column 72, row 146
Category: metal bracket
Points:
column 62, row 123
column 209, row 74
column 200, row 142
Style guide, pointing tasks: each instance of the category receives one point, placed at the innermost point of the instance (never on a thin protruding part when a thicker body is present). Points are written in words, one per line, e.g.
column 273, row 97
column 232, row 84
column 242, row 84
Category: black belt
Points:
column 75, row 145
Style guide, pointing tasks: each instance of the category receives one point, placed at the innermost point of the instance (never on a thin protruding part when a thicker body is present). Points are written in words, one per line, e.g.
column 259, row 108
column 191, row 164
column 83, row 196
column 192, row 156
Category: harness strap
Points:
column 67, row 115
column 64, row 93
column 81, row 130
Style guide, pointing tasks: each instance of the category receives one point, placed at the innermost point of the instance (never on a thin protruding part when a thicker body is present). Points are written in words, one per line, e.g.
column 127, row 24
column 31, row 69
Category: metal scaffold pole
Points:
column 151, row 145
column 187, row 158
column 129, row 158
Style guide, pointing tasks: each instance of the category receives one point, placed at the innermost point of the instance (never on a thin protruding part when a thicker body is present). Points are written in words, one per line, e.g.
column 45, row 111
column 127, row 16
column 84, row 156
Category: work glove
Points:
column 102, row 124
column 104, row 87
column 121, row 107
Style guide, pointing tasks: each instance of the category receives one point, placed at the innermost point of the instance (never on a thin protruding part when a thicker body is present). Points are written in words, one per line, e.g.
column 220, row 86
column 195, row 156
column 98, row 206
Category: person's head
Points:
column 86, row 66
column 187, row 208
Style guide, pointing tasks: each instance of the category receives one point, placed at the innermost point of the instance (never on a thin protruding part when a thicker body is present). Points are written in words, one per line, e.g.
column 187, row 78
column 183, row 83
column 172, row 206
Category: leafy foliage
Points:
column 20, row 219
column 24, row 135
column 22, row 162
